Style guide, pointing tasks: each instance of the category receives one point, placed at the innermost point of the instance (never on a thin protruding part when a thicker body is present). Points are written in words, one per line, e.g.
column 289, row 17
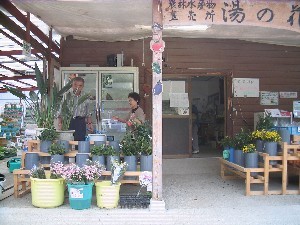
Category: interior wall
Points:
column 277, row 67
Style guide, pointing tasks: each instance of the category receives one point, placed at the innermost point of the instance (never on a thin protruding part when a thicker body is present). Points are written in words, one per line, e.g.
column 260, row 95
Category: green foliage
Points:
column 110, row 151
column 129, row 145
column 56, row 149
column 99, row 150
column 44, row 103
column 264, row 123
column 37, row 172
column 241, row 139
column 48, row 135
column 227, row 142
column 143, row 138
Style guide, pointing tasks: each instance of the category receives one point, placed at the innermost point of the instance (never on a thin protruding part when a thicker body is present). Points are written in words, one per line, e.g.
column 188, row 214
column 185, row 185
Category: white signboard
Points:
column 269, row 98
column 245, row 87
column 288, row 94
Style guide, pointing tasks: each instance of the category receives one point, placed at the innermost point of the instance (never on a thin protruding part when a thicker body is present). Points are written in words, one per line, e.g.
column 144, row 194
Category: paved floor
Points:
column 193, row 193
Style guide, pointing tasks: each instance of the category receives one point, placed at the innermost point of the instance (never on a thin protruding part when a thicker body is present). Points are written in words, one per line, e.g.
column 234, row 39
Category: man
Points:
column 81, row 117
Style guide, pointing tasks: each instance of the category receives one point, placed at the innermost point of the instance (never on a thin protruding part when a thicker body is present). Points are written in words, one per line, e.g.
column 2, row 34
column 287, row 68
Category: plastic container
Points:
column 47, row 193
column 14, row 163
column 107, row 195
column 80, row 196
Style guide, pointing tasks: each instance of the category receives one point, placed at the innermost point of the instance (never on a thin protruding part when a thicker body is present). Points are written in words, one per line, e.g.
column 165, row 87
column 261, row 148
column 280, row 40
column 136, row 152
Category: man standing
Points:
column 81, row 117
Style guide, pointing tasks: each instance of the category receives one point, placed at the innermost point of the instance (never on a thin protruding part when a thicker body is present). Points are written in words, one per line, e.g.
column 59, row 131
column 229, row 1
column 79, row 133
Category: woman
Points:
column 136, row 114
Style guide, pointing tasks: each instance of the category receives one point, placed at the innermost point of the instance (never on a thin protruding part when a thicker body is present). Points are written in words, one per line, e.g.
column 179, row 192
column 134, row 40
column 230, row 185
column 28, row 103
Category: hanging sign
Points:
column 288, row 94
column 245, row 87
column 269, row 98
column 26, row 49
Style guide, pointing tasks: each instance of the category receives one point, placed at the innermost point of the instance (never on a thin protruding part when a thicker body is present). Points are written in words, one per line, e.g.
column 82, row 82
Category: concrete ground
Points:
column 193, row 192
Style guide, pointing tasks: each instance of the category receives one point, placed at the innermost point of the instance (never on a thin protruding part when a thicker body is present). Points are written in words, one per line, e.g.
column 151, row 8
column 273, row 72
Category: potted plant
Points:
column 111, row 155
column 143, row 137
column 57, row 152
column 129, row 147
column 80, row 181
column 271, row 138
column 257, row 136
column 45, row 103
column 98, row 153
column 251, row 157
column 240, row 140
column 46, row 137
column 228, row 148
column 108, row 192
column 264, row 122
column 53, row 195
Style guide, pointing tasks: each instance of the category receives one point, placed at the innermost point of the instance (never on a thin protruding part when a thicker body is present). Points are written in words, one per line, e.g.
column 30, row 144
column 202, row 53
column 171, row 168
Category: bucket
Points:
column 80, row 196
column 107, row 195
column 14, row 163
column 47, row 193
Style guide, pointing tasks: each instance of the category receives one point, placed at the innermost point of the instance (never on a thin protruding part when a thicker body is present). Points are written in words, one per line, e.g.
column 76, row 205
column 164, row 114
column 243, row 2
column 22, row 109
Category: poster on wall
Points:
column 269, row 98
column 285, row 94
column 245, row 87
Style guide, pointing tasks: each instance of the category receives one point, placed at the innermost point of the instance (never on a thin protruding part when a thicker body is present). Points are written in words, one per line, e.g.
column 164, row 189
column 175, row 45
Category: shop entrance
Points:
column 209, row 113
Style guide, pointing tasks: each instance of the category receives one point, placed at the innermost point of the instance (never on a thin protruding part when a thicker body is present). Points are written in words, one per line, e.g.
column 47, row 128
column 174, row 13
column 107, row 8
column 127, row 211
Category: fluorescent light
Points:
column 188, row 27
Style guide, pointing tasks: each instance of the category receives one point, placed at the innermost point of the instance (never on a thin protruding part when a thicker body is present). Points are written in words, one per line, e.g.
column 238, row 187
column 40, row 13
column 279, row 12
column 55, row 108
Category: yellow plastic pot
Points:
column 47, row 193
column 107, row 195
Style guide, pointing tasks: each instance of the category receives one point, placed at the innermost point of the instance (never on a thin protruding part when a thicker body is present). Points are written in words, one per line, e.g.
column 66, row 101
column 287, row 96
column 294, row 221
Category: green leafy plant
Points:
column 241, row 139
column 227, row 142
column 44, row 103
column 250, row 148
column 99, row 150
column 37, row 172
column 68, row 107
column 264, row 122
column 110, row 151
column 129, row 145
column 48, row 135
column 56, row 149
column 143, row 137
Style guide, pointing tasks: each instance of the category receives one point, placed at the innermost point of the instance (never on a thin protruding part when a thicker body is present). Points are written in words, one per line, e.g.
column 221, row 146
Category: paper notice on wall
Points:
column 245, row 87
column 269, row 98
column 172, row 87
column 179, row 100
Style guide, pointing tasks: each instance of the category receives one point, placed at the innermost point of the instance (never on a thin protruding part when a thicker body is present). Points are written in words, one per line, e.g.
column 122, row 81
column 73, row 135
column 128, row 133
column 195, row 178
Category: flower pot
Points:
column 45, row 145
column 31, row 159
column 271, row 149
column 47, row 193
column 132, row 165
column 66, row 135
column 109, row 159
column 99, row 143
column 83, row 146
column 45, row 159
column 146, row 162
column 81, row 158
column 259, row 145
column 251, row 161
column 285, row 135
column 57, row 158
column 80, row 195
column 107, row 195
column 99, row 158
column 239, row 157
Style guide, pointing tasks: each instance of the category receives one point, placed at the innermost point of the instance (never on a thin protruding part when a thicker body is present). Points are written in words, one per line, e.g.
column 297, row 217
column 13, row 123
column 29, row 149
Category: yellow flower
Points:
column 250, row 148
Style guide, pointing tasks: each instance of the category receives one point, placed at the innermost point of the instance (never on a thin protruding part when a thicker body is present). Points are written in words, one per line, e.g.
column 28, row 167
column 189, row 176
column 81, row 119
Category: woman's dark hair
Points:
column 135, row 96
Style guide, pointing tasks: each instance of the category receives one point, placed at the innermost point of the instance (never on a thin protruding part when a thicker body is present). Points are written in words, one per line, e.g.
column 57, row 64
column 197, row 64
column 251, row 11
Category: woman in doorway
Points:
column 136, row 115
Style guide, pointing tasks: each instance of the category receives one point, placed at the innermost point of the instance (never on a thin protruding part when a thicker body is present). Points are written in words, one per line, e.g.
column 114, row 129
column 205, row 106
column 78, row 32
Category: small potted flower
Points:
column 57, row 152
column 80, row 181
column 258, row 136
column 108, row 192
column 98, row 153
column 46, row 137
column 53, row 195
column 228, row 146
column 240, row 140
column 251, row 157
column 271, row 139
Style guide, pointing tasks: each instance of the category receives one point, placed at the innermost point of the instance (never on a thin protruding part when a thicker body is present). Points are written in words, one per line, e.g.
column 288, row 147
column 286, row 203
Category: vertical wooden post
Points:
column 157, row 19
column 27, row 39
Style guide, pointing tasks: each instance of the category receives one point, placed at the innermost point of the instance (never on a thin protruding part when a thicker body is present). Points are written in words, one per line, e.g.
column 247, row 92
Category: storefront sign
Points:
column 288, row 94
column 269, row 98
column 245, row 87
column 274, row 13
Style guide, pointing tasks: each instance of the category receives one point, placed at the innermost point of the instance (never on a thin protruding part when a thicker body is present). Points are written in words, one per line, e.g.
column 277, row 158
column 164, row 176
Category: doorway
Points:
column 209, row 113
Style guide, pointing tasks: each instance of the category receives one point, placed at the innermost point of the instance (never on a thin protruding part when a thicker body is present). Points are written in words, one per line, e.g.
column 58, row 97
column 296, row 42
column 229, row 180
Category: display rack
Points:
column 12, row 120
